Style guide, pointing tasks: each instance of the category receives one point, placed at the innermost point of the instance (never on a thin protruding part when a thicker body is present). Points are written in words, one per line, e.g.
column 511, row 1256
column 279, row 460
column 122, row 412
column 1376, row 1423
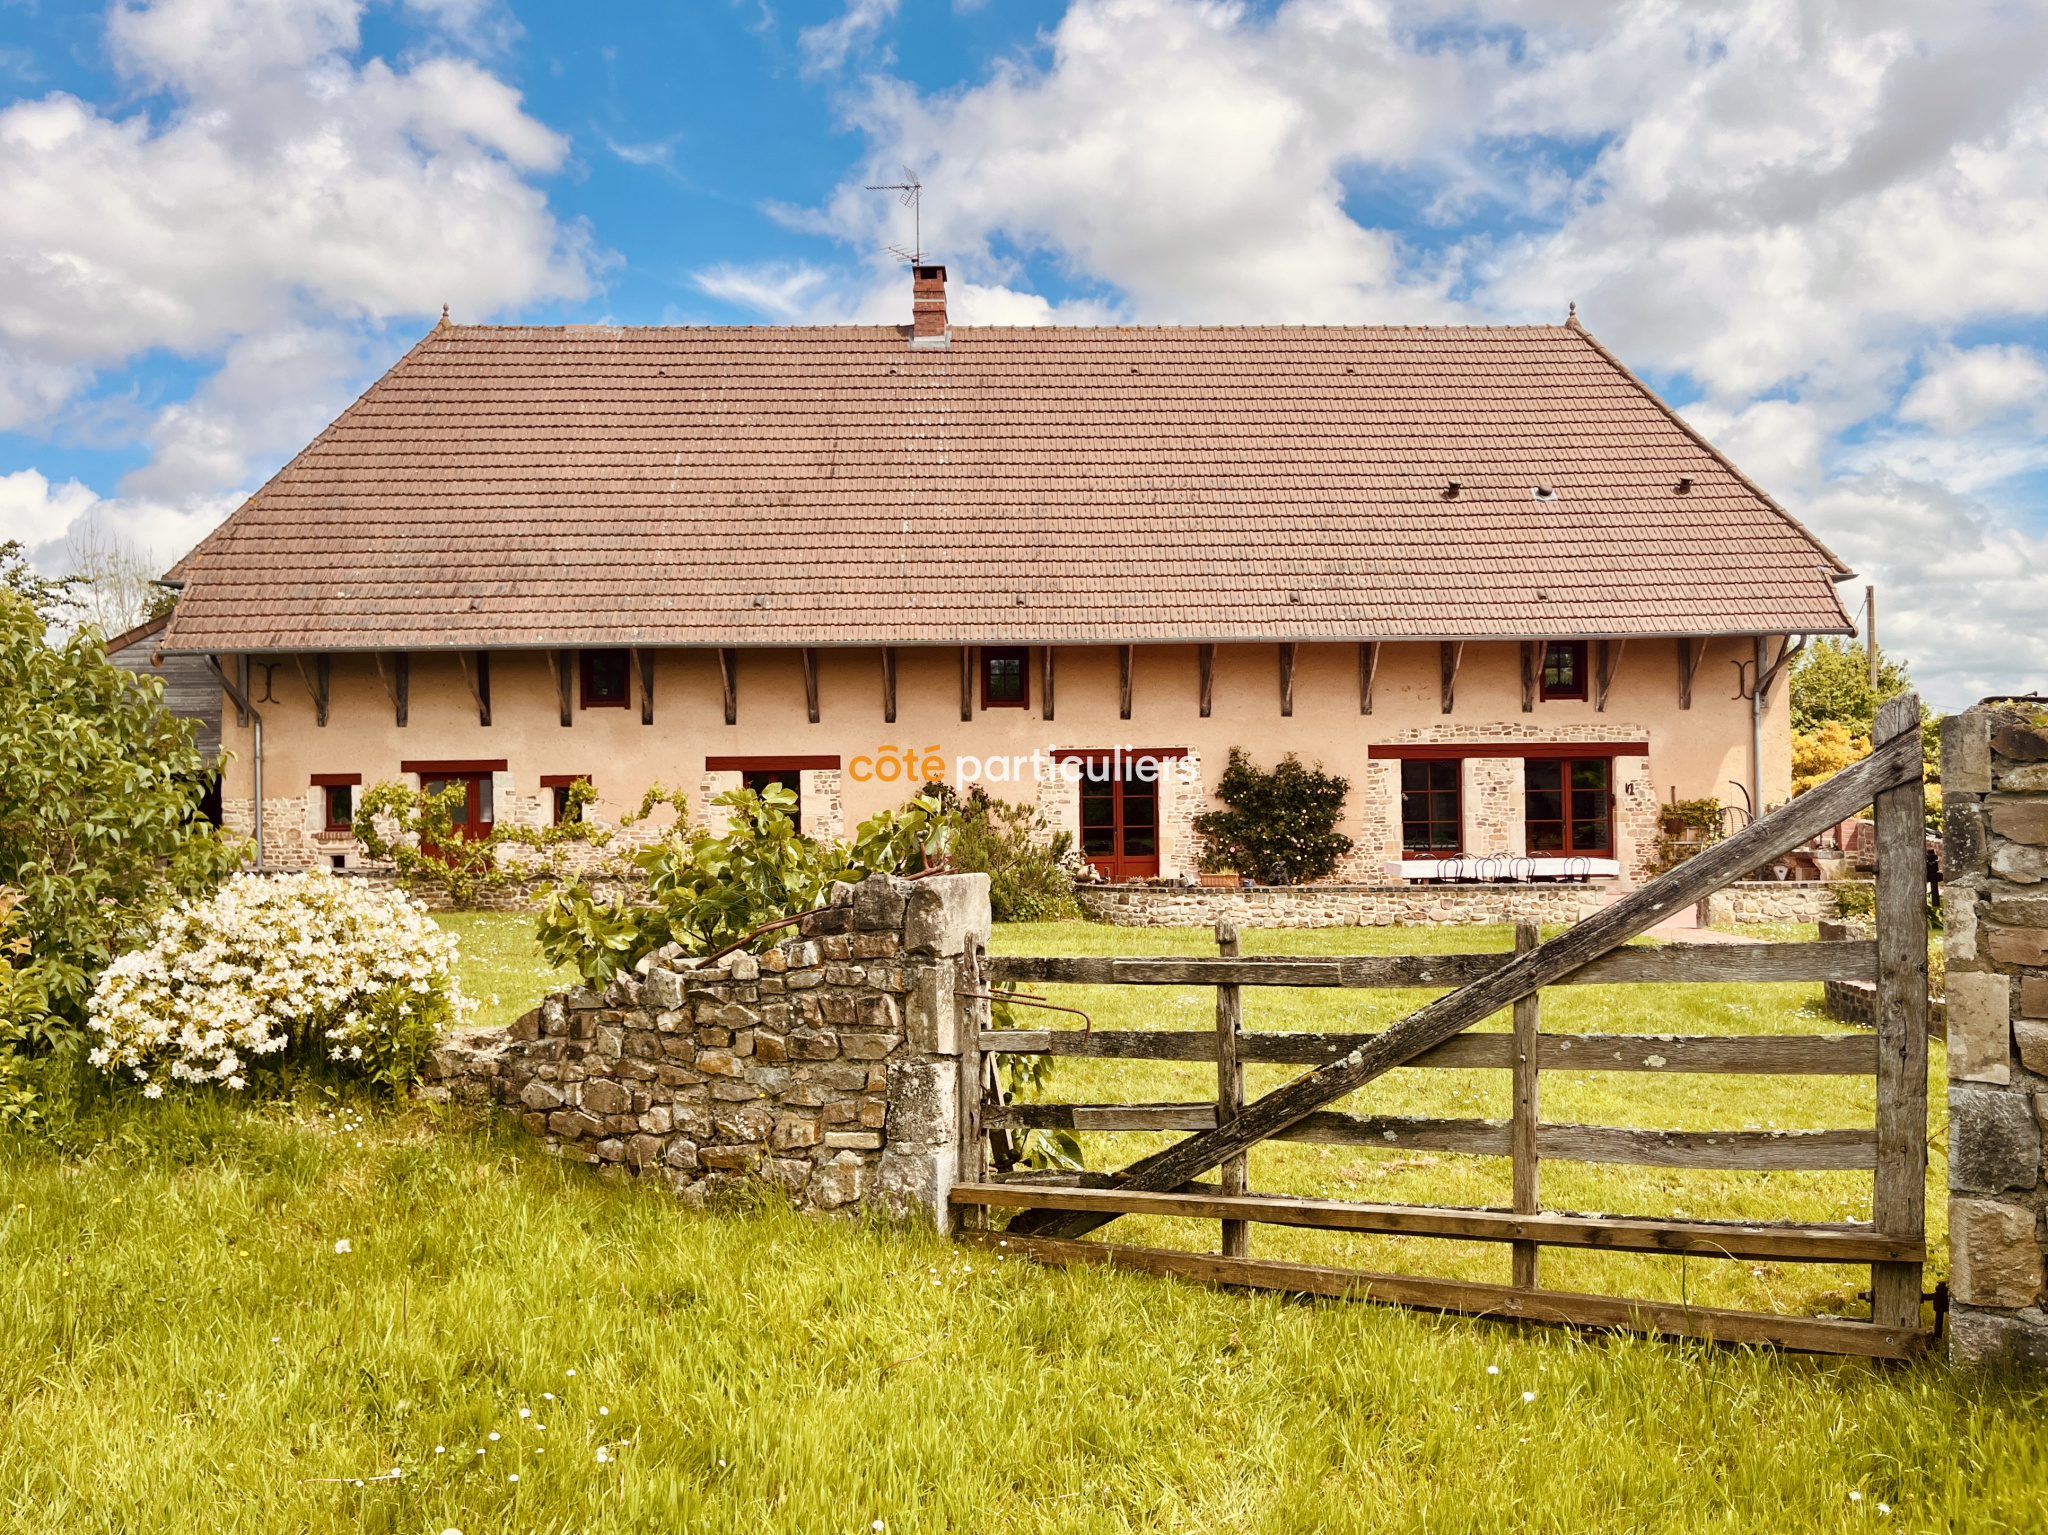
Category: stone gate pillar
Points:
column 1994, row 780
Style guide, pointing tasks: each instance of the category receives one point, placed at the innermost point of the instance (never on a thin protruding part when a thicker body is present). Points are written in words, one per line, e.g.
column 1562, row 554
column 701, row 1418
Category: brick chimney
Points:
column 928, row 306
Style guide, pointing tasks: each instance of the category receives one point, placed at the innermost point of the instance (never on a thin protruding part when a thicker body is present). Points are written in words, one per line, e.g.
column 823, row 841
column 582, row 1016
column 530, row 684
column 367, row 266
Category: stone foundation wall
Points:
column 827, row 1065
column 1453, row 905
column 1995, row 905
column 1771, row 900
column 1338, row 905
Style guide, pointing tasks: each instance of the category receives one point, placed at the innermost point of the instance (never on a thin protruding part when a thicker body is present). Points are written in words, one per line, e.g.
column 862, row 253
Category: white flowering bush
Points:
column 303, row 966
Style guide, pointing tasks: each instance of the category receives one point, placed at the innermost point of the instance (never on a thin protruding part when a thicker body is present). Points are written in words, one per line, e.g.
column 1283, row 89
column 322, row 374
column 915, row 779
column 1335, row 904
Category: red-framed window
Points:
column 1564, row 669
column 1432, row 807
column 1569, row 806
column 791, row 779
column 1119, row 817
column 337, row 799
column 1005, row 677
column 607, row 679
column 557, row 786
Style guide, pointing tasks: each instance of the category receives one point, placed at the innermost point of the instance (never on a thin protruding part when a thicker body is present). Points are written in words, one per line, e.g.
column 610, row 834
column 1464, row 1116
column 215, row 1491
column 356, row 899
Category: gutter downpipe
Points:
column 1756, row 732
column 242, row 702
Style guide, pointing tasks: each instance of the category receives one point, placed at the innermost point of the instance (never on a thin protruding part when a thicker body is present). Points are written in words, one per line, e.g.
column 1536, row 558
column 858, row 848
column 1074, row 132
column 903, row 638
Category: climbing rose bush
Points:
column 270, row 968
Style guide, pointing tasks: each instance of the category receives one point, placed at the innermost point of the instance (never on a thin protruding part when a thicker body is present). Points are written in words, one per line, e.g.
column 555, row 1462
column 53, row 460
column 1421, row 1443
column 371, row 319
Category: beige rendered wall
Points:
column 1696, row 751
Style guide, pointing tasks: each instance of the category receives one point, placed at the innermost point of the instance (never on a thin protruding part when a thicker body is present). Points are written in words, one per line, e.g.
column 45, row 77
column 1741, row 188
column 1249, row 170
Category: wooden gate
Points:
column 1052, row 1220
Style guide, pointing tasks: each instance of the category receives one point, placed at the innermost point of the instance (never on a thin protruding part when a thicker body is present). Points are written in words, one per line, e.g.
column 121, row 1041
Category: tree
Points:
column 99, row 818
column 51, row 600
column 1818, row 756
column 1831, row 681
column 1280, row 827
column 116, row 581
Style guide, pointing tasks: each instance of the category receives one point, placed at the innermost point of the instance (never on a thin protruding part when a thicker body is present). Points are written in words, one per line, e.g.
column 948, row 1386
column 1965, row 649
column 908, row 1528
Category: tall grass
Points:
column 182, row 1348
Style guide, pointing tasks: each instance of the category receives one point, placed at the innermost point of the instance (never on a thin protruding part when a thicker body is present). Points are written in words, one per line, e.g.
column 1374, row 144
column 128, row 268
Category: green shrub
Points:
column 304, row 967
column 706, row 891
column 1028, row 875
column 1280, row 827
column 100, row 830
column 1701, row 824
column 1831, row 682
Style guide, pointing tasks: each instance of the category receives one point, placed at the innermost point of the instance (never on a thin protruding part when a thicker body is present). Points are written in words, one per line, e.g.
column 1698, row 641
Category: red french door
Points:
column 1119, row 819
column 476, row 815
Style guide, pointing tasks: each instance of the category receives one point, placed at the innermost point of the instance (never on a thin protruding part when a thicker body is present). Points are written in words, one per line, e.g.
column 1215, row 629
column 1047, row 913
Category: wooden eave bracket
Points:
column 1123, row 681
column 559, row 662
column 1529, row 668
column 1450, row 656
column 644, row 661
column 476, row 673
column 1604, row 673
column 1787, row 653
column 729, row 682
column 1691, row 652
column 1045, row 682
column 1368, row 674
column 316, row 685
column 397, row 679
column 811, row 682
column 1287, row 650
column 1205, row 661
column 888, row 684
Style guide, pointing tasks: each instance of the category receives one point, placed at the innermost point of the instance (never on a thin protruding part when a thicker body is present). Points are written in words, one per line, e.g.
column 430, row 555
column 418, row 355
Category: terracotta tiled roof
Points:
column 510, row 486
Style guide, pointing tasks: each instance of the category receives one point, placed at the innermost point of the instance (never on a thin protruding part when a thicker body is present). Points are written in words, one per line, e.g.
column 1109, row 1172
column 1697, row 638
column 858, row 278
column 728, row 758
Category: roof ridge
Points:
column 1234, row 328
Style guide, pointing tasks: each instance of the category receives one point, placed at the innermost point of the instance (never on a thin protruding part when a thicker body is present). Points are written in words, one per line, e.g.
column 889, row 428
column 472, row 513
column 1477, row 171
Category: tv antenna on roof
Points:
column 912, row 198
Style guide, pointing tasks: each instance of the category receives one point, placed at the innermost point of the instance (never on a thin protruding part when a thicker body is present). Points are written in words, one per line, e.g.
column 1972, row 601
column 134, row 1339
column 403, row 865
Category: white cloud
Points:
column 48, row 517
column 283, row 205
column 1962, row 391
column 826, row 46
column 1960, row 593
column 780, row 290
column 1187, row 153
column 34, row 512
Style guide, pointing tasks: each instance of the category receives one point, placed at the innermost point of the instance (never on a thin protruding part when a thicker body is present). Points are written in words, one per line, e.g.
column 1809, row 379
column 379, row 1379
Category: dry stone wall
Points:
column 1338, row 905
column 828, row 1065
column 1450, row 905
column 1995, row 907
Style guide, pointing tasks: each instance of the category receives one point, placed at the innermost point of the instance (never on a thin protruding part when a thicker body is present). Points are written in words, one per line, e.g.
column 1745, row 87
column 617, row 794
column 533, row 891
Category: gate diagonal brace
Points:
column 1892, row 765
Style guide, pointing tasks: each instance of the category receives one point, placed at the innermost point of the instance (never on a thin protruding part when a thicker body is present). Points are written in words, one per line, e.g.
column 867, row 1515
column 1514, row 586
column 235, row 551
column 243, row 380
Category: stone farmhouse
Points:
column 1482, row 572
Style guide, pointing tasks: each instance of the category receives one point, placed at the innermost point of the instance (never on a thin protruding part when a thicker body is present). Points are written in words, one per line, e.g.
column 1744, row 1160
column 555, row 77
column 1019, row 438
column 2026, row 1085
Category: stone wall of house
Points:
column 1994, row 780
column 1376, row 839
column 295, row 834
column 1494, row 818
column 827, row 1065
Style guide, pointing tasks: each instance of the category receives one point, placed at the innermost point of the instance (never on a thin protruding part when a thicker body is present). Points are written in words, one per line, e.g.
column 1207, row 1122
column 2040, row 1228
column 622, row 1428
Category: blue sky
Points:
column 1818, row 229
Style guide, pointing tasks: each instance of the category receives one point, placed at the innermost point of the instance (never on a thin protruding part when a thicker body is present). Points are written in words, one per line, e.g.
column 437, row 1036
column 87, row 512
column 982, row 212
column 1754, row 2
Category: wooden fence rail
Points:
column 1439, row 1036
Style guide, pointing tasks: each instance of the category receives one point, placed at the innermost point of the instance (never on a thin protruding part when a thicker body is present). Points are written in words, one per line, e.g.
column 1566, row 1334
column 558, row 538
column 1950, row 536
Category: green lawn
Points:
column 182, row 1348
